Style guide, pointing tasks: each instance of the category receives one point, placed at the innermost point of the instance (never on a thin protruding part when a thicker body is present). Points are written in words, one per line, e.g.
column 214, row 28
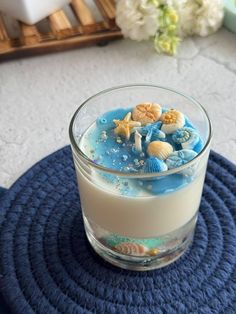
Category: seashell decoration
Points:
column 130, row 248
column 147, row 113
column 161, row 150
column 153, row 164
column 187, row 137
column 172, row 120
column 179, row 158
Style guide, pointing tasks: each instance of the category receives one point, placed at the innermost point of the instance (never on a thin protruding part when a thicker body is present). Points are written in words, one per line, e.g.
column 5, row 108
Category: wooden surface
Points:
column 61, row 34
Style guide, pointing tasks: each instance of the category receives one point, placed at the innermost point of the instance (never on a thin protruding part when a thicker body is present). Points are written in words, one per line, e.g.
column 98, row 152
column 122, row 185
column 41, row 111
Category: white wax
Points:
column 138, row 217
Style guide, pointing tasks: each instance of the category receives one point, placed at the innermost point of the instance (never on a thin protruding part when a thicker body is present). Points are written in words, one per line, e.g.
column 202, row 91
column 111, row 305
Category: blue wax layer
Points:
column 114, row 152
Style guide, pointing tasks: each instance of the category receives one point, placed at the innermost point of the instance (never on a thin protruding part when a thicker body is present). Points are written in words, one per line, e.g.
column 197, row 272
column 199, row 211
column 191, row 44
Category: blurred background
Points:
column 39, row 94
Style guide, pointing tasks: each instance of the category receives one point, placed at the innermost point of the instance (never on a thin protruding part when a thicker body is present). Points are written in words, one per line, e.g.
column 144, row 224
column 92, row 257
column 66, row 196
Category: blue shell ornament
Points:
column 187, row 137
column 179, row 158
column 152, row 132
column 154, row 164
column 156, row 135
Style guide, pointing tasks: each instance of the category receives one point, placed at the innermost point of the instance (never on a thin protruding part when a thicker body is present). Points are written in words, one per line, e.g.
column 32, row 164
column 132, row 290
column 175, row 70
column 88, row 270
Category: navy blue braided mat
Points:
column 47, row 265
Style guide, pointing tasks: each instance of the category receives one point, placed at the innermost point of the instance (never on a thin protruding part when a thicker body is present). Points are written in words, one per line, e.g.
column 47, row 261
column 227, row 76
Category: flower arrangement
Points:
column 166, row 22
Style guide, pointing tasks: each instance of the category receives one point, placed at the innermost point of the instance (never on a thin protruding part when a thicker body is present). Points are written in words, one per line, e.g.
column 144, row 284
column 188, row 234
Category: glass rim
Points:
column 89, row 161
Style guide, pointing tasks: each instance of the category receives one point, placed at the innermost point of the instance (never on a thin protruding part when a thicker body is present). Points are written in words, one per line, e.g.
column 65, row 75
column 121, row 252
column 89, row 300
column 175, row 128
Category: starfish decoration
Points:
column 125, row 127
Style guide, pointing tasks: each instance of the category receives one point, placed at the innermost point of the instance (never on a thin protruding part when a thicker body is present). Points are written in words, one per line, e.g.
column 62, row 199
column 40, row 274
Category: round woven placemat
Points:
column 47, row 265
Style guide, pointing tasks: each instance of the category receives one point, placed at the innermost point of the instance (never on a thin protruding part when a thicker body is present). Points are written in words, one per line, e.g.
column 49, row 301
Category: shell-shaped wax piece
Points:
column 144, row 130
column 187, row 137
column 155, row 135
column 158, row 134
column 147, row 113
column 172, row 120
column 153, row 164
column 130, row 248
column 152, row 132
column 179, row 158
column 161, row 150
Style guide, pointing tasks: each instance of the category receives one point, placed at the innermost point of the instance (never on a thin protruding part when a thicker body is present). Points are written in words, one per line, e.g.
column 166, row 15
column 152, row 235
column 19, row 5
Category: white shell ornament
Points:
column 157, row 134
column 130, row 248
column 187, row 137
column 154, row 164
column 179, row 158
column 161, row 150
column 172, row 120
column 147, row 113
column 138, row 141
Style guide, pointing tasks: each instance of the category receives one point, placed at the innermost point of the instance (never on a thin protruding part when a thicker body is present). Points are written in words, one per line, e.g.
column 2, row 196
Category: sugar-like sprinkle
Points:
column 124, row 157
column 114, row 150
column 103, row 136
column 118, row 140
column 136, row 162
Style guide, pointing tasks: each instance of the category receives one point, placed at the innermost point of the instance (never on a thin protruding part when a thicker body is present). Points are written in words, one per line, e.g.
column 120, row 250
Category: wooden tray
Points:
column 61, row 33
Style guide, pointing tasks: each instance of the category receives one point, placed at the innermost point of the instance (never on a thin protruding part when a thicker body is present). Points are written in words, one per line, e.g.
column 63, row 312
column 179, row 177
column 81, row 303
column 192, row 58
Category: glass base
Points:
column 166, row 255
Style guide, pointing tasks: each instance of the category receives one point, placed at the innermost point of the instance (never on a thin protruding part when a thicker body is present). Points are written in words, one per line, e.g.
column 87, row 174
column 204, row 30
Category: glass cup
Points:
column 154, row 227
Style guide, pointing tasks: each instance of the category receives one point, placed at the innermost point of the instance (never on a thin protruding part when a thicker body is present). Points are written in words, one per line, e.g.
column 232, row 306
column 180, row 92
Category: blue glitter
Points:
column 124, row 157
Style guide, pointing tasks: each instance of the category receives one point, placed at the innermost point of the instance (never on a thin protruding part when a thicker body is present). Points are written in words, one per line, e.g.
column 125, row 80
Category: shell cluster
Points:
column 162, row 136
column 135, row 249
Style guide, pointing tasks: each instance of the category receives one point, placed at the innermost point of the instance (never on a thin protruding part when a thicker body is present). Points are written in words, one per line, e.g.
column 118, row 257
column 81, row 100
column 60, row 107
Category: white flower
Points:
column 138, row 19
column 209, row 17
column 186, row 9
column 200, row 17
